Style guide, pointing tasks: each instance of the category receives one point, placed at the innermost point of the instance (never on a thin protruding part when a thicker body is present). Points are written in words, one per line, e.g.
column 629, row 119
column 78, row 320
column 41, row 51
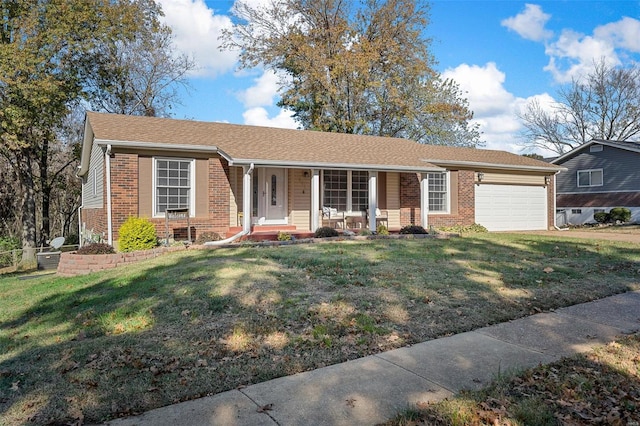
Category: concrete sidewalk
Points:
column 374, row 389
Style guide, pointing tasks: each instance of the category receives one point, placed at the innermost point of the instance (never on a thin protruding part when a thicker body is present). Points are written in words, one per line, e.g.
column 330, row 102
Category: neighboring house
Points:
column 235, row 178
column 600, row 175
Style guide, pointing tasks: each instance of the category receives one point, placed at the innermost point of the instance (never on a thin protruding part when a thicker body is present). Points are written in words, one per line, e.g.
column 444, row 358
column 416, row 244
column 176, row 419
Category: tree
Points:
column 604, row 105
column 139, row 76
column 366, row 71
column 45, row 50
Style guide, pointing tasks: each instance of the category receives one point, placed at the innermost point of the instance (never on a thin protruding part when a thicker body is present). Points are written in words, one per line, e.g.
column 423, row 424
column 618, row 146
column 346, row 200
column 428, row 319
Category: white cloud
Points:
column 530, row 23
column 495, row 108
column 263, row 92
column 260, row 117
column 196, row 29
column 574, row 54
column 624, row 33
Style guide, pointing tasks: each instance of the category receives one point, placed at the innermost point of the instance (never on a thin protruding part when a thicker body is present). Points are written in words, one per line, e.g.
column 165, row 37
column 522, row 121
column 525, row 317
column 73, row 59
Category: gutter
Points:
column 497, row 166
column 335, row 166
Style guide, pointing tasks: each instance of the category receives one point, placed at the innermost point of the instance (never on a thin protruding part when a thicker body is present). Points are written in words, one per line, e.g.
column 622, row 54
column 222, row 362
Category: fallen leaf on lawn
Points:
column 265, row 408
column 351, row 402
column 548, row 270
column 14, row 386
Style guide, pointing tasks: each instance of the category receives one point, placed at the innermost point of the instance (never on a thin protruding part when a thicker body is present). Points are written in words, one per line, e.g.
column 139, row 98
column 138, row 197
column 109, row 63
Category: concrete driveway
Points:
column 627, row 236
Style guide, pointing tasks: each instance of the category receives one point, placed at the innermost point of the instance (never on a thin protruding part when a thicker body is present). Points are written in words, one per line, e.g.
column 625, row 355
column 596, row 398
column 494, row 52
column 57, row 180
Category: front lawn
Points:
column 196, row 323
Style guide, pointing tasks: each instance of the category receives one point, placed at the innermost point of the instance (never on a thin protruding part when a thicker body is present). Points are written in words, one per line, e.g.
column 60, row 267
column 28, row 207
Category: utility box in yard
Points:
column 48, row 259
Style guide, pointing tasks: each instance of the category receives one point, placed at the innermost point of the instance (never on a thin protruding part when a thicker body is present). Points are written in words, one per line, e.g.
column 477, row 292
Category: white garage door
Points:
column 511, row 207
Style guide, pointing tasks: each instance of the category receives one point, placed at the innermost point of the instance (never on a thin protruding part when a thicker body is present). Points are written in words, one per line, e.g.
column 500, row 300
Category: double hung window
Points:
column 173, row 184
column 588, row 178
column 438, row 194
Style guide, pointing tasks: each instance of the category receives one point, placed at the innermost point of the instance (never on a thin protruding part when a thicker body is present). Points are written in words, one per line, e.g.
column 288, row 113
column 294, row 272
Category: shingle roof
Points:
column 243, row 144
column 626, row 145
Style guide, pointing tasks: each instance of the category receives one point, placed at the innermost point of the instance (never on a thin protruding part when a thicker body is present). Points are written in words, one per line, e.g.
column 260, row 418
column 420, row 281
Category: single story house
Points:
column 600, row 175
column 237, row 179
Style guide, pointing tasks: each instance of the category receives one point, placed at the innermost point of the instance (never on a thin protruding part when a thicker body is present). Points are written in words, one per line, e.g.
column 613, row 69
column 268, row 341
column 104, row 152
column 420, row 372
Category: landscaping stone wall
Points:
column 72, row 264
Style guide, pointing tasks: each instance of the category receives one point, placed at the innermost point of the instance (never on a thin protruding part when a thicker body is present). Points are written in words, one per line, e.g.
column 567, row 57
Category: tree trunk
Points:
column 28, row 215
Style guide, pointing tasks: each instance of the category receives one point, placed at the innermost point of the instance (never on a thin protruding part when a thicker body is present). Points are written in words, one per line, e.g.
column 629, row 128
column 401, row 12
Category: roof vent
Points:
column 595, row 148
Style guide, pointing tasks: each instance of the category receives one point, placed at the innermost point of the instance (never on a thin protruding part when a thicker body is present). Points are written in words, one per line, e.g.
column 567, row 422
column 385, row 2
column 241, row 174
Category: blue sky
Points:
column 503, row 54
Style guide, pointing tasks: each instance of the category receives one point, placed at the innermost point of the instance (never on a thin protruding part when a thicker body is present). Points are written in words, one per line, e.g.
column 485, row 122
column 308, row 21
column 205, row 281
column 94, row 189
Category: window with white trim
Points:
column 173, row 184
column 438, row 193
column 345, row 190
column 588, row 178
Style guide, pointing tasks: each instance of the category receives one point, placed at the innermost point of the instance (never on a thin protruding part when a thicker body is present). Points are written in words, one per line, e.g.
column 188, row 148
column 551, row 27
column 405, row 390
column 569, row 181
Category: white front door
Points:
column 273, row 203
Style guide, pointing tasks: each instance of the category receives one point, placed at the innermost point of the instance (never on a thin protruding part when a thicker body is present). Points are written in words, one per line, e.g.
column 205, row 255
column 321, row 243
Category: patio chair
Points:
column 382, row 217
column 332, row 218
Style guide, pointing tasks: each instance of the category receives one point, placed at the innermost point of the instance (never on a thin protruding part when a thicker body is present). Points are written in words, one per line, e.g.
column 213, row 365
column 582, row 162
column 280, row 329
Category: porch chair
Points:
column 382, row 217
column 332, row 218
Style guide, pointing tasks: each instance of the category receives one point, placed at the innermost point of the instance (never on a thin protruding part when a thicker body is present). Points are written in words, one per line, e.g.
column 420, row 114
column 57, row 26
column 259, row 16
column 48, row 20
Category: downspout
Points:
column 555, row 225
column 246, row 211
column 107, row 159
column 80, row 212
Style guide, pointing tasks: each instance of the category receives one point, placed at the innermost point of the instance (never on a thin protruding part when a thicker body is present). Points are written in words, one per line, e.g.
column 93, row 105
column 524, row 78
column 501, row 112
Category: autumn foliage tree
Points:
column 354, row 67
column 47, row 58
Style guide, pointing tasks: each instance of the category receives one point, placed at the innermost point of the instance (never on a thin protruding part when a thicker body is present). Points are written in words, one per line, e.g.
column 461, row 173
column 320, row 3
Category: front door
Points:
column 274, row 208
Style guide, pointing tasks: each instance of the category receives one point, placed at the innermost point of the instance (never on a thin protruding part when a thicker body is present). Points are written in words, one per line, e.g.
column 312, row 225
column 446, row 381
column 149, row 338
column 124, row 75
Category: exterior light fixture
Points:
column 480, row 176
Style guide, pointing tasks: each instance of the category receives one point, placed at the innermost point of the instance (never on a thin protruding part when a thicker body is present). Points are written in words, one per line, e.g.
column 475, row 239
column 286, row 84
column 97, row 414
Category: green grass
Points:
column 196, row 323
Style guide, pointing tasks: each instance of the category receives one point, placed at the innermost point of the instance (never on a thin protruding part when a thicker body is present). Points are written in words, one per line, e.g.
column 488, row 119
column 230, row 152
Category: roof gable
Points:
column 624, row 145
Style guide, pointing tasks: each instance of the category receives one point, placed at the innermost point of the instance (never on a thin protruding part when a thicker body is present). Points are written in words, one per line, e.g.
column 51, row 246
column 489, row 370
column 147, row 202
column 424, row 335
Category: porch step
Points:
column 264, row 230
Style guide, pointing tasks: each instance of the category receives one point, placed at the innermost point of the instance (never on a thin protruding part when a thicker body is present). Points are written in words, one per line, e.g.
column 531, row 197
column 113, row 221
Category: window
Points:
column 173, row 182
column 595, row 148
column 576, row 211
column 359, row 191
column 346, row 190
column 438, row 195
column 335, row 189
column 590, row 177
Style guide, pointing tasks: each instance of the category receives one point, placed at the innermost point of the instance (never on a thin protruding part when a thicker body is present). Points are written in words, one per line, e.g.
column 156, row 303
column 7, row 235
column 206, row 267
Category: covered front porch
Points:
column 267, row 199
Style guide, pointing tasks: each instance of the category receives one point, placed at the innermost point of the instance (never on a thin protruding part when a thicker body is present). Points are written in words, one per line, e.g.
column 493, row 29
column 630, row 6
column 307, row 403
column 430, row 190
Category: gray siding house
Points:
column 600, row 175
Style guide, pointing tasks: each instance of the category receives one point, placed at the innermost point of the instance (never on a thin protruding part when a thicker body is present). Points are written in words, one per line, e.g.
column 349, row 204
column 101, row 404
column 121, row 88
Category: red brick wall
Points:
column 125, row 203
column 95, row 220
column 410, row 201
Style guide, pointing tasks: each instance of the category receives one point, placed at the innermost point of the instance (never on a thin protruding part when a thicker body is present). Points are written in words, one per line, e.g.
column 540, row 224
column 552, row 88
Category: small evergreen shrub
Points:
column 96, row 248
column 365, row 232
column 382, row 230
column 284, row 236
column 620, row 214
column 208, row 236
column 413, row 229
column 325, row 232
column 602, row 217
column 137, row 233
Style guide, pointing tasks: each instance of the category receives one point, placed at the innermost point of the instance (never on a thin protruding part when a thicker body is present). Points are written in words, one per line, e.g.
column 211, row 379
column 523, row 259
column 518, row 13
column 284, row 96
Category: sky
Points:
column 503, row 54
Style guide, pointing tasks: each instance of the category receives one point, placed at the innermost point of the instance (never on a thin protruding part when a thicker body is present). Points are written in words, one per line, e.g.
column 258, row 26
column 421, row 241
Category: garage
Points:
column 511, row 207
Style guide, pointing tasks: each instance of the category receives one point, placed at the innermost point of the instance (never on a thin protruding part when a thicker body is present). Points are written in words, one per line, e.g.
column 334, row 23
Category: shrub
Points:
column 413, row 229
column 602, row 217
column 96, row 248
column 382, row 230
column 208, row 236
column 325, row 232
column 620, row 214
column 9, row 243
column 464, row 229
column 284, row 236
column 137, row 233
column 72, row 239
column 365, row 232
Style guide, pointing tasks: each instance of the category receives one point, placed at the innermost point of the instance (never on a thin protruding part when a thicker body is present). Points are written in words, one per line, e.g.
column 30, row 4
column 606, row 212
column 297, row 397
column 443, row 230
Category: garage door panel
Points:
column 511, row 207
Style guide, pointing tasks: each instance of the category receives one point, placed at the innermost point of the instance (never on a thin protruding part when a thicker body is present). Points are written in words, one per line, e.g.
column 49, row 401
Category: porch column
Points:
column 246, row 198
column 424, row 200
column 373, row 200
column 315, row 199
